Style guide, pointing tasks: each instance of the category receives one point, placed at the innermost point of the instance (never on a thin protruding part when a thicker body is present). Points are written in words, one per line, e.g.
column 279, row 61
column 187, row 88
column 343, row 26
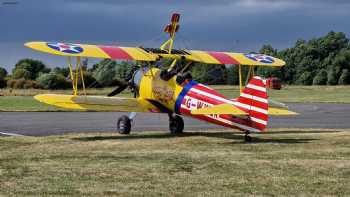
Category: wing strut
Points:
column 250, row 74
column 74, row 74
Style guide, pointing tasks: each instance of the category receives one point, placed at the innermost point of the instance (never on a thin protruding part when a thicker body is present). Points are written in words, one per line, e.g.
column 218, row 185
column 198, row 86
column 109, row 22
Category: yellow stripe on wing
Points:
column 243, row 60
column 203, row 56
column 139, row 54
column 88, row 50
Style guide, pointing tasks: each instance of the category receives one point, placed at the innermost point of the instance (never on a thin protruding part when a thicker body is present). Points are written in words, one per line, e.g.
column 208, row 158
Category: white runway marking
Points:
column 10, row 134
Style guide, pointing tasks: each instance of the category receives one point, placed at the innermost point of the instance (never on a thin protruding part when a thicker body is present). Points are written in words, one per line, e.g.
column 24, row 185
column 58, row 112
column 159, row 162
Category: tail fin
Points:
column 254, row 101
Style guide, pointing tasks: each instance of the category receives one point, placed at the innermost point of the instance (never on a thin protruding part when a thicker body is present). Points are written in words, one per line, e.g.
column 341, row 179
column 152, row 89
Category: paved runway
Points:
column 50, row 123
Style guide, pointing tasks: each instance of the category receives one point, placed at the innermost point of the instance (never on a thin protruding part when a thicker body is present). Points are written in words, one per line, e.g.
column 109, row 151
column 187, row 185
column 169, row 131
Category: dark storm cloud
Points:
column 240, row 25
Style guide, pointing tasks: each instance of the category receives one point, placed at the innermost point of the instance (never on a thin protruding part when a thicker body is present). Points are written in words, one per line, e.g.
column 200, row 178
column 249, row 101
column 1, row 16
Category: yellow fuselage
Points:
column 152, row 87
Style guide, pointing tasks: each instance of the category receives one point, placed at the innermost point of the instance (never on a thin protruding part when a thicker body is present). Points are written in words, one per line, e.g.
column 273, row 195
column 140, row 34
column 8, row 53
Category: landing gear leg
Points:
column 124, row 125
column 176, row 124
column 247, row 137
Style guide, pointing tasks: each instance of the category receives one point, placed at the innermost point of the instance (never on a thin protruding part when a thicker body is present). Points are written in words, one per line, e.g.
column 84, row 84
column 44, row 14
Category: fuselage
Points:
column 190, row 95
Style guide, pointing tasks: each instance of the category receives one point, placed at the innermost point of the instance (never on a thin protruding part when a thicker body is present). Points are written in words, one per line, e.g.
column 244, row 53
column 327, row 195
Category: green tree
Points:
column 2, row 82
column 34, row 67
column 63, row 71
column 53, row 81
column 268, row 50
column 305, row 79
column 320, row 78
column 232, row 75
column 3, row 73
column 332, row 78
column 344, row 78
column 105, row 72
column 209, row 74
column 122, row 70
column 21, row 74
column 330, row 52
column 89, row 80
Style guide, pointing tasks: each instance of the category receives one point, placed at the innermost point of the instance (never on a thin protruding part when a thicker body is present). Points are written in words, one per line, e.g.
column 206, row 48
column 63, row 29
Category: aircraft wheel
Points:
column 247, row 137
column 176, row 125
column 124, row 125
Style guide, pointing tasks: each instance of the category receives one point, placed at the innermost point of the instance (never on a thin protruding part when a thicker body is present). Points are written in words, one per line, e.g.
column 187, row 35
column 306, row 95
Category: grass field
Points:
column 21, row 100
column 279, row 163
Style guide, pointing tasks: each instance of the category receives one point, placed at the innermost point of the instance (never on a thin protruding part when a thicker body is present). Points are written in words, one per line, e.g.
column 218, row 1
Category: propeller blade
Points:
column 118, row 90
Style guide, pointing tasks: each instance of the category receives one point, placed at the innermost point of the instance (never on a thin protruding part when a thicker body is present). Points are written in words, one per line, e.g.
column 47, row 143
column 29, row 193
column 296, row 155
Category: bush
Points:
column 2, row 83
column 53, row 81
column 88, row 79
column 21, row 84
column 344, row 78
column 320, row 78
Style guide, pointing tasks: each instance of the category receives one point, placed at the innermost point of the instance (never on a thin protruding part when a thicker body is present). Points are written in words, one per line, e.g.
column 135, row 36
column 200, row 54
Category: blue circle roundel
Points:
column 260, row 58
column 66, row 48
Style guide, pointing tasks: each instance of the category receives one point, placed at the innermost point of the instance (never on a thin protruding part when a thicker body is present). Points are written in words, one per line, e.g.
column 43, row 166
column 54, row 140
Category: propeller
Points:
column 123, row 85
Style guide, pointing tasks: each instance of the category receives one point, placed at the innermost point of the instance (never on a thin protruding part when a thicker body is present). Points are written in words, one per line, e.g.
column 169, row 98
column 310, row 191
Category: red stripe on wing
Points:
column 116, row 52
column 223, row 58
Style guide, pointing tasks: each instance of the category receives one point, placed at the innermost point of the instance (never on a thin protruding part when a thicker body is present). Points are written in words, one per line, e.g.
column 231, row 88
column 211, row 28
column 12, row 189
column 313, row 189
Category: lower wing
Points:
column 96, row 103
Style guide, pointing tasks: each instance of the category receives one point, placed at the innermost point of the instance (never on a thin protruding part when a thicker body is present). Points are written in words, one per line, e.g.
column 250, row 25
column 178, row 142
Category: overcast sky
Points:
column 222, row 25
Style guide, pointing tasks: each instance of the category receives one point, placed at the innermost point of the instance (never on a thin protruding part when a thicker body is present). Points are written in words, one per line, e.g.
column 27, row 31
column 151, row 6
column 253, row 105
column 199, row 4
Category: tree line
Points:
column 319, row 61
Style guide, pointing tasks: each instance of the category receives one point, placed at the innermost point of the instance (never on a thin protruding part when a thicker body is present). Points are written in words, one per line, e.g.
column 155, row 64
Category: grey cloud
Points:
column 206, row 24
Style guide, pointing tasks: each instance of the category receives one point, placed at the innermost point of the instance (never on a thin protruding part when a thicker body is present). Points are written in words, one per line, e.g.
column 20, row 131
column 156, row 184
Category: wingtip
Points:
column 30, row 44
column 40, row 97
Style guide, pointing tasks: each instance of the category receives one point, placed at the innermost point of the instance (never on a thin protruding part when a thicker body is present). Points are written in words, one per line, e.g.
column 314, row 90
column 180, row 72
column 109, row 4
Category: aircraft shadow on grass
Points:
column 238, row 138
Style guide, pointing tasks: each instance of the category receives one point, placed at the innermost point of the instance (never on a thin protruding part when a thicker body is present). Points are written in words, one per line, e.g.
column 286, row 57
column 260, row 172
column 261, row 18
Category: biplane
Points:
column 170, row 90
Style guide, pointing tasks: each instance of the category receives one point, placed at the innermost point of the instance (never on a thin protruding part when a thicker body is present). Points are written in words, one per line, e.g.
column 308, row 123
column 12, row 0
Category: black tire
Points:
column 247, row 138
column 176, row 125
column 124, row 125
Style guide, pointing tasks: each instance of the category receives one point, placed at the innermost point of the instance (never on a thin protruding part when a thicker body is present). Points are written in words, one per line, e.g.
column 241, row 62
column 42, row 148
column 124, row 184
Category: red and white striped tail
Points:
column 254, row 101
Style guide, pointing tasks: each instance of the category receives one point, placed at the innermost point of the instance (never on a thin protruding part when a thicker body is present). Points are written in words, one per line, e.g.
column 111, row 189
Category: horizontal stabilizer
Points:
column 219, row 109
column 280, row 112
column 93, row 103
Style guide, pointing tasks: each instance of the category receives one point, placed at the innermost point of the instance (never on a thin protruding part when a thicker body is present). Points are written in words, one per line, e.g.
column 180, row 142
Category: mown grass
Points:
column 279, row 163
column 21, row 100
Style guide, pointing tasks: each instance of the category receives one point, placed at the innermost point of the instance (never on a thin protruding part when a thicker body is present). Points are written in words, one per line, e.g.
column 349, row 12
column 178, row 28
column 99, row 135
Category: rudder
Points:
column 254, row 100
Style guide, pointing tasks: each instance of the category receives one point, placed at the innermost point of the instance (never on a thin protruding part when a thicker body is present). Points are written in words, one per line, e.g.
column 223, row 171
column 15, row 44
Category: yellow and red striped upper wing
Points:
column 137, row 53
column 96, row 51
column 213, row 57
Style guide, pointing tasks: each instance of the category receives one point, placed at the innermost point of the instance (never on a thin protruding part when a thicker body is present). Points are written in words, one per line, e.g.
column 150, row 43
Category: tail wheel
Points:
column 176, row 125
column 247, row 137
column 124, row 125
